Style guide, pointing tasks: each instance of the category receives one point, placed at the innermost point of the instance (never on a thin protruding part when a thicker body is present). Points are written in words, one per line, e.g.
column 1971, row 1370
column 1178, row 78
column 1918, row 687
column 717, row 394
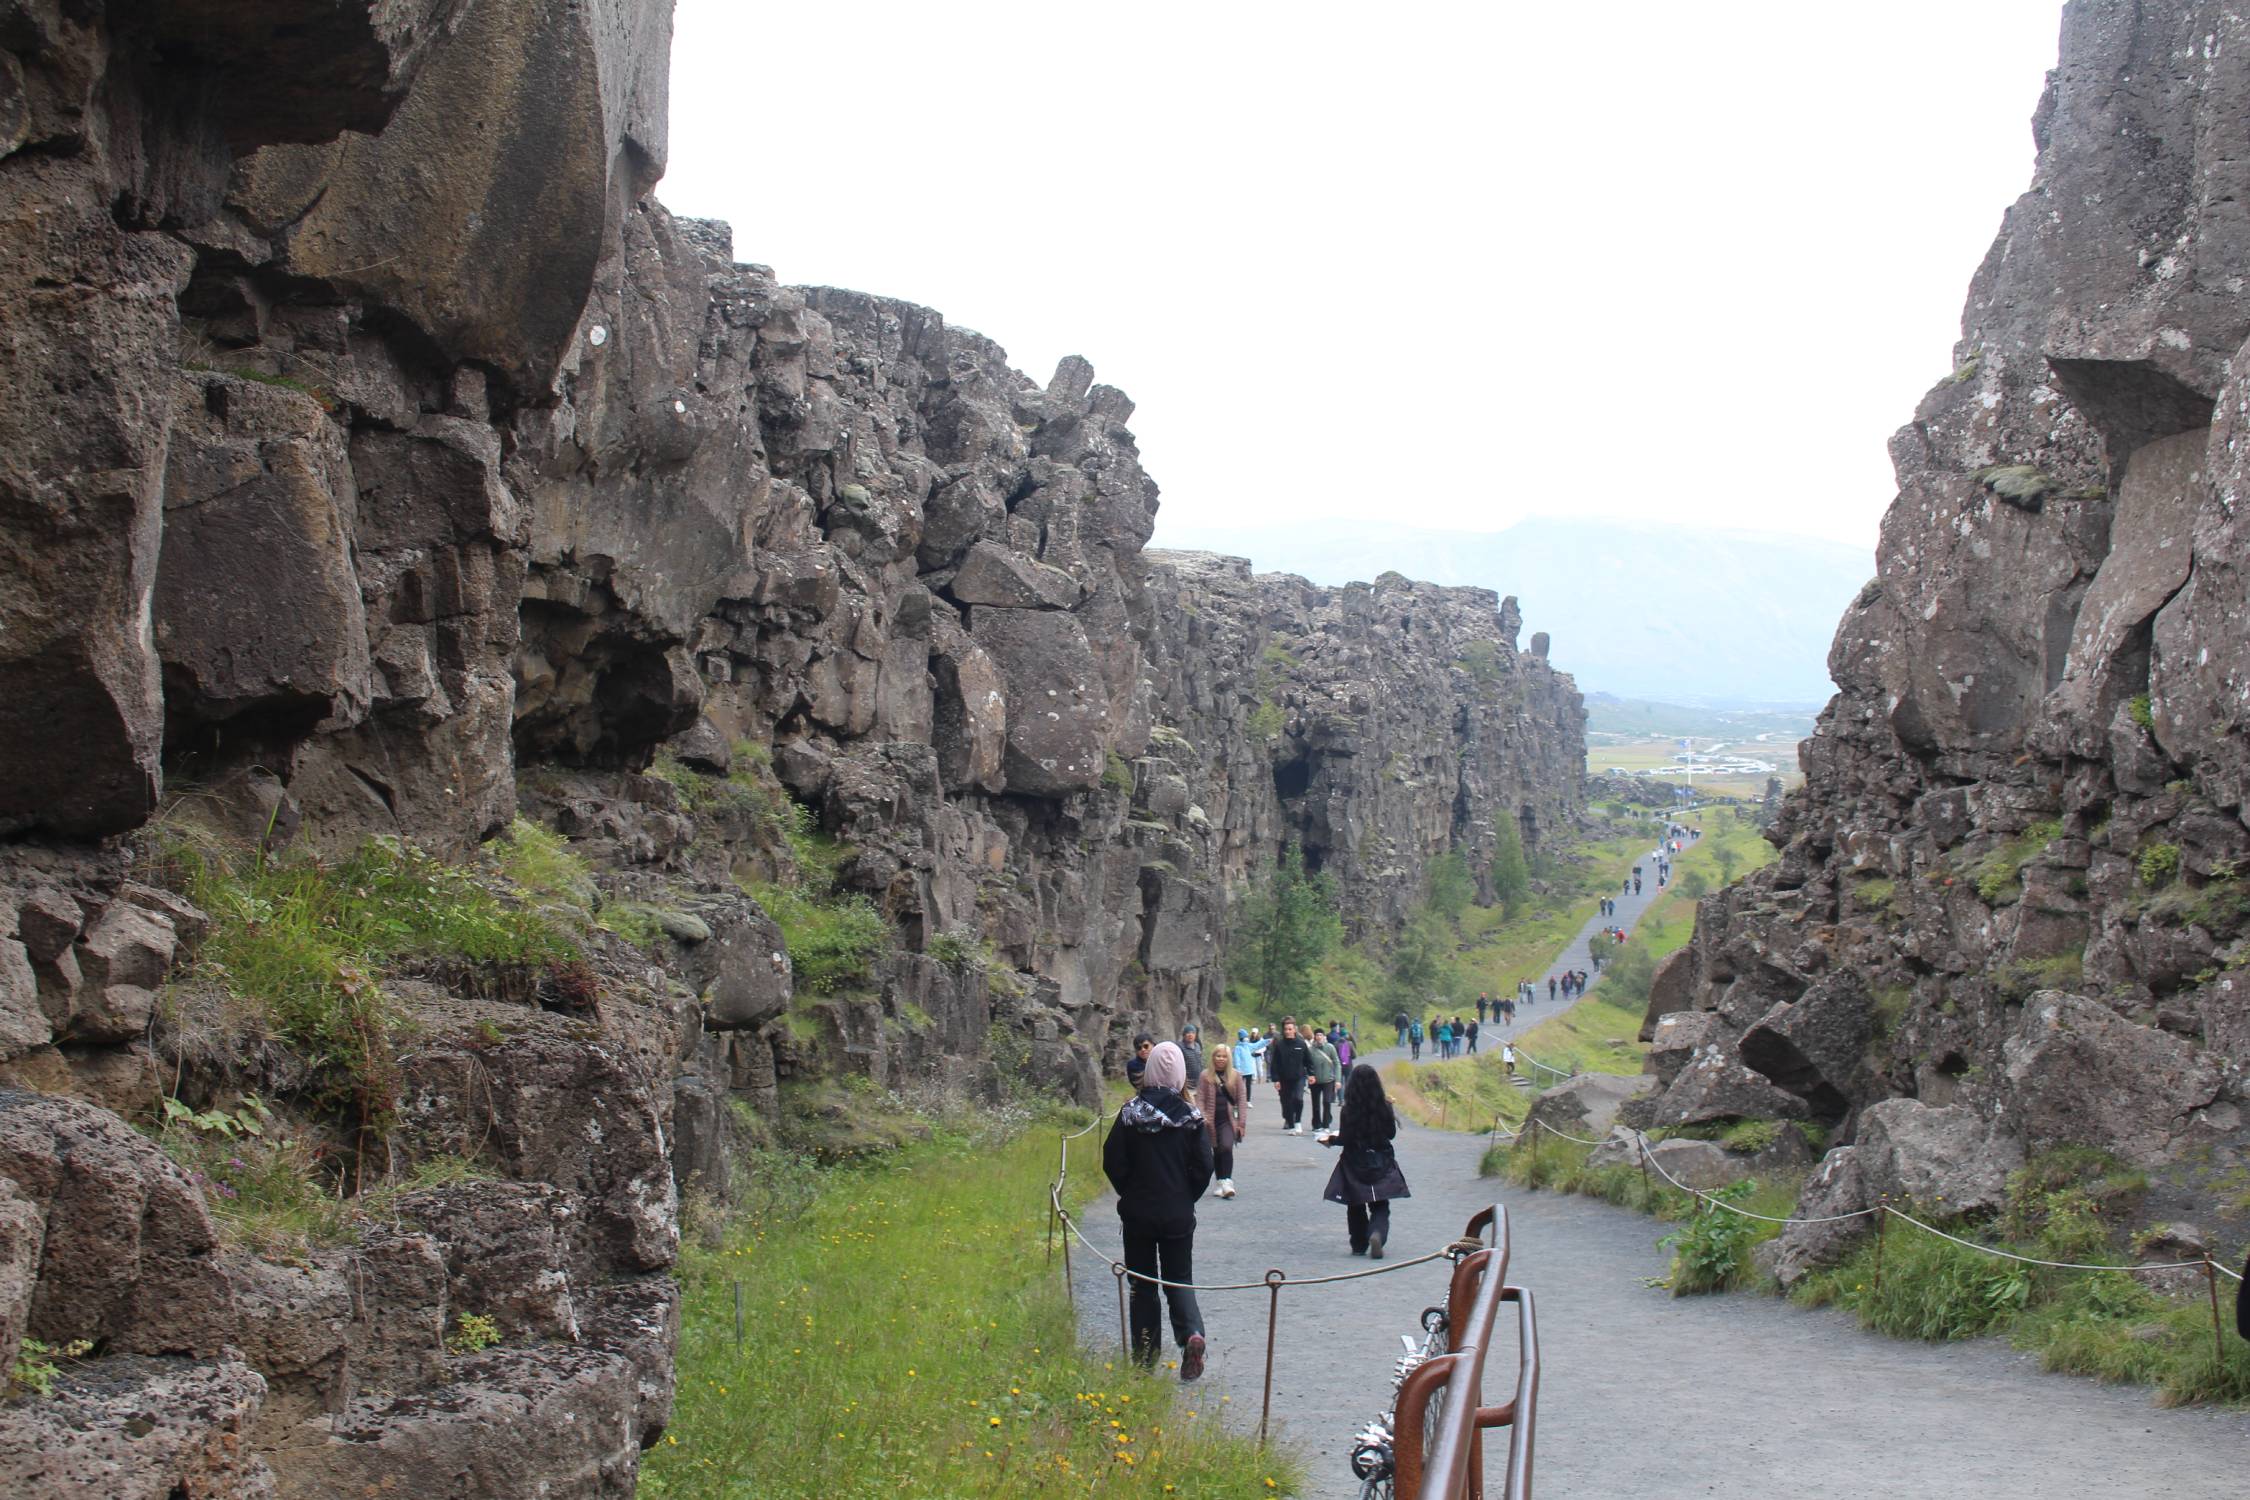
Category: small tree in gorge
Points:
column 1285, row 926
column 1511, row 872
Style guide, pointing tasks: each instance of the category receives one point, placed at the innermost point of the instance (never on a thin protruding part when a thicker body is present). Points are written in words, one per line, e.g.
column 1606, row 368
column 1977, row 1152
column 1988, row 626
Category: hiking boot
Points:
column 1191, row 1358
column 1374, row 1247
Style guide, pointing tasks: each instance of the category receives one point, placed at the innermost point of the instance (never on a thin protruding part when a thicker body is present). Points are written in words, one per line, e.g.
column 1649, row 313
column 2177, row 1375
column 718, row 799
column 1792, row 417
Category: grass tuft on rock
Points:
column 305, row 942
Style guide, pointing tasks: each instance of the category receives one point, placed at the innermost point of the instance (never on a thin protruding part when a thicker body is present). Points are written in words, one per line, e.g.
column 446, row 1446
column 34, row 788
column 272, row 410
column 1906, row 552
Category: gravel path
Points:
column 1642, row 1394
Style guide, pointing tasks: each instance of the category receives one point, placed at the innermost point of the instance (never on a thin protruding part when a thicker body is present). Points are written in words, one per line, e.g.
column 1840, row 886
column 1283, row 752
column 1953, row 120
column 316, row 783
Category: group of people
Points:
column 1175, row 1138
column 1451, row 1038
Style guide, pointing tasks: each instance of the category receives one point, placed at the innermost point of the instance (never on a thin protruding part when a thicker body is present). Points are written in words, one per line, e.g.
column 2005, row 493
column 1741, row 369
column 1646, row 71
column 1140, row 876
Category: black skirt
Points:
column 1369, row 1174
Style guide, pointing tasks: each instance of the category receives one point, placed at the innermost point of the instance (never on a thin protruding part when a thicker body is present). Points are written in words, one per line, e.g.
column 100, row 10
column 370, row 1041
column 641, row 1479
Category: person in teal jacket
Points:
column 1246, row 1065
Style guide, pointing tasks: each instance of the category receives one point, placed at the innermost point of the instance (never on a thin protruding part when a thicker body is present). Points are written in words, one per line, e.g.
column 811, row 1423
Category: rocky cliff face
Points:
column 378, row 458
column 2009, row 912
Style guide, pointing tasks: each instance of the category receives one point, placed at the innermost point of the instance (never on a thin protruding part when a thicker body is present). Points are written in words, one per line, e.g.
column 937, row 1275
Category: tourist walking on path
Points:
column 1327, row 1073
column 1414, row 1038
column 1367, row 1175
column 1191, row 1049
column 1289, row 1061
column 1221, row 1098
column 1474, row 1028
column 1245, row 1067
column 1158, row 1158
column 1399, row 1020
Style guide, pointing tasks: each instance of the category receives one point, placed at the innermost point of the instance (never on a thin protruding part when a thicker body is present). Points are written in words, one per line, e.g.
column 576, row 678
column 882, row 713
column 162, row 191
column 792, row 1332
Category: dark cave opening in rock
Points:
column 1293, row 777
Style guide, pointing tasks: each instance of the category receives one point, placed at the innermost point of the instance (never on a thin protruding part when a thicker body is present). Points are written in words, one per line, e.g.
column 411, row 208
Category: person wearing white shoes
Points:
column 1289, row 1064
column 1220, row 1094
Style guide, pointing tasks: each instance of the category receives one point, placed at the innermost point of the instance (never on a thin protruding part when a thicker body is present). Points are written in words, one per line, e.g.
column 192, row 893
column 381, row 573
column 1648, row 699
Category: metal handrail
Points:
column 1448, row 1462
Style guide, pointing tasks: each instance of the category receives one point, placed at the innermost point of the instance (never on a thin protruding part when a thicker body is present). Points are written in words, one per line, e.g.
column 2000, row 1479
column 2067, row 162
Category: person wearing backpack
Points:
column 1414, row 1038
column 1327, row 1073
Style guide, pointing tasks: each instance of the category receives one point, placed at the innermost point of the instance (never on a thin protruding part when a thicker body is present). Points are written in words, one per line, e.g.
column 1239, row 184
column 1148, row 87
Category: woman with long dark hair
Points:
column 1367, row 1177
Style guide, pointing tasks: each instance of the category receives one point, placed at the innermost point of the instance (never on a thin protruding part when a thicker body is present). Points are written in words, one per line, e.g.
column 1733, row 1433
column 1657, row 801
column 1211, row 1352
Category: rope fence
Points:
column 1883, row 1213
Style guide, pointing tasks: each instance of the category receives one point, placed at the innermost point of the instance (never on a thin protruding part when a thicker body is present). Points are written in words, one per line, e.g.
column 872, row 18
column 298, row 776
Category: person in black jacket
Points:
column 1158, row 1158
column 1289, row 1063
column 1367, row 1177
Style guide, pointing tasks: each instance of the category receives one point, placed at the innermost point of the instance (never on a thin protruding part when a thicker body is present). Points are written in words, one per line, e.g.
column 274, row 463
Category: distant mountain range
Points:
column 1680, row 614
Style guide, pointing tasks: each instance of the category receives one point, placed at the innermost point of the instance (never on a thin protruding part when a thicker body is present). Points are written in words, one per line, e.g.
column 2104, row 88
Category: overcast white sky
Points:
column 1455, row 265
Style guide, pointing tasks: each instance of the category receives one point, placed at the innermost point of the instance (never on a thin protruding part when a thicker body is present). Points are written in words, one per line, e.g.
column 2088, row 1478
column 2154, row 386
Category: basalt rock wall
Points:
column 2008, row 913
column 378, row 457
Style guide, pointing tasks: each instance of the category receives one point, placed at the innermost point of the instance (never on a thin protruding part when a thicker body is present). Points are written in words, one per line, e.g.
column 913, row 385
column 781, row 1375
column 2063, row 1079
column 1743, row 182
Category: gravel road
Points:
column 1643, row 1394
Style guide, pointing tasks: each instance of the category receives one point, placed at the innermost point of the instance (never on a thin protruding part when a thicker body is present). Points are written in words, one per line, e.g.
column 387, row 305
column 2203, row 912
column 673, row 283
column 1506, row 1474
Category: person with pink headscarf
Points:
column 1158, row 1157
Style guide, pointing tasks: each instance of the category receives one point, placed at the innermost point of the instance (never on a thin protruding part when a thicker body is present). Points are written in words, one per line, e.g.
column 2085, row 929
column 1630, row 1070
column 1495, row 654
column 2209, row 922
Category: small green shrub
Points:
column 1117, row 772
column 35, row 1370
column 2141, row 708
column 1266, row 722
column 2159, row 864
column 472, row 1333
column 1711, row 1251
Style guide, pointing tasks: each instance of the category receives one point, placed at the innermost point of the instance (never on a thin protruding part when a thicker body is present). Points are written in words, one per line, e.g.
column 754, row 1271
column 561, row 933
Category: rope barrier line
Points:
column 1120, row 1268
column 2059, row 1265
column 1648, row 1158
column 1697, row 1193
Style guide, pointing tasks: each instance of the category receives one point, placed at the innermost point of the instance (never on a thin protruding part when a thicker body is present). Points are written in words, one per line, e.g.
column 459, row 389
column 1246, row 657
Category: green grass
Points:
column 307, row 942
column 832, row 939
column 905, row 1337
column 2065, row 1205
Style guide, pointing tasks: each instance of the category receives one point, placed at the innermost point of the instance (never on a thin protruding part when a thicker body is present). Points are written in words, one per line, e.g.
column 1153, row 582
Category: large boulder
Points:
column 1947, row 1161
column 86, row 397
column 1058, row 714
column 1813, row 1046
column 996, row 576
column 127, row 1256
column 481, row 209
column 1713, row 1087
column 257, row 604
column 1587, row 1105
column 139, row 1429
column 745, row 968
column 1824, row 1235
column 2079, row 1074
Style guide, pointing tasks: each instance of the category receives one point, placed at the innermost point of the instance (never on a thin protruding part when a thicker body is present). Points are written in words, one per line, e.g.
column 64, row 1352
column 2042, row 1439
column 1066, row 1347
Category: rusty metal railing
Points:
column 1444, row 1459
